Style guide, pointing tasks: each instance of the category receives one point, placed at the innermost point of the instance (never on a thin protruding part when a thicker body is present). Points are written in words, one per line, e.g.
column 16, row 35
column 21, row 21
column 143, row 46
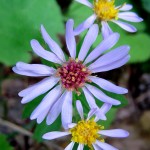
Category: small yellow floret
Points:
column 77, row 60
column 83, row 69
column 105, row 9
column 86, row 132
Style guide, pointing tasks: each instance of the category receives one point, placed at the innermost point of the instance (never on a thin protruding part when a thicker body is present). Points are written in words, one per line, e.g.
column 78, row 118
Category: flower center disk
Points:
column 105, row 9
column 86, row 132
column 73, row 74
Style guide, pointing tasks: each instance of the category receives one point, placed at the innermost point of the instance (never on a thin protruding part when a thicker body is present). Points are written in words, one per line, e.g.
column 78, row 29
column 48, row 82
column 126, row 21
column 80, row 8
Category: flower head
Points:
column 105, row 11
column 73, row 74
column 87, row 132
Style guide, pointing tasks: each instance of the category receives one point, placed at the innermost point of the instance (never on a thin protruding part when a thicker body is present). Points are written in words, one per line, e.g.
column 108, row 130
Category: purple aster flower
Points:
column 72, row 74
column 87, row 132
column 105, row 11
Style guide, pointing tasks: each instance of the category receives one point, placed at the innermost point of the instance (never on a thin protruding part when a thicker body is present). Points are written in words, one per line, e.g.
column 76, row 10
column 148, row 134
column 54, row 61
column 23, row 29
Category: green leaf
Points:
column 4, row 144
column 146, row 5
column 119, row 97
column 121, row 2
column 85, row 105
column 139, row 47
column 139, row 42
column 29, row 107
column 20, row 22
column 78, row 12
column 110, row 118
column 40, row 128
column 43, row 128
column 110, row 115
column 50, row 64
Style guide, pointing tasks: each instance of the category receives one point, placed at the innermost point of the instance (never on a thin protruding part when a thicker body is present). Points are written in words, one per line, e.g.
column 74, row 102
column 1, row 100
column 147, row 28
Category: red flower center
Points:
column 73, row 75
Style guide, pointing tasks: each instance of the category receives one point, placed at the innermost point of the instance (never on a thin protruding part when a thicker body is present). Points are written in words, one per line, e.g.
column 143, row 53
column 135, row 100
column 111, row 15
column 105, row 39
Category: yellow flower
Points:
column 87, row 132
column 105, row 10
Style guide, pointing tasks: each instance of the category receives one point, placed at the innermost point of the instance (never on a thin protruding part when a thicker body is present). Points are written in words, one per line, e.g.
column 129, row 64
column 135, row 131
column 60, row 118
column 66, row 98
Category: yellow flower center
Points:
column 105, row 9
column 86, row 132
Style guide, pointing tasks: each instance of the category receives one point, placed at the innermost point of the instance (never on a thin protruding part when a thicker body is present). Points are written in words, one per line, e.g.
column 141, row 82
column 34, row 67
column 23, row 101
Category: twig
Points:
column 26, row 133
column 15, row 127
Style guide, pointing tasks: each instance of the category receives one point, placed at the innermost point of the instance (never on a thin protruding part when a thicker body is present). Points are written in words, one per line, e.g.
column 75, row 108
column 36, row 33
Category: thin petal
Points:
column 125, row 7
column 26, row 73
column 80, row 147
column 80, row 109
column 52, row 44
column 66, row 115
column 56, row 108
column 39, row 50
column 117, row 133
column 71, row 125
column 28, row 90
column 96, row 147
column 105, row 146
column 91, row 101
column 38, row 69
column 105, row 108
column 125, row 26
column 101, row 112
column 85, row 25
column 114, row 65
column 89, row 97
column 47, row 102
column 70, row 146
column 101, row 96
column 85, row 2
column 111, row 57
column 54, row 135
column 70, row 38
column 91, row 113
column 130, row 16
column 88, row 41
column 42, row 115
column 100, row 115
column 106, row 30
column 106, row 44
column 106, row 85
column 40, row 89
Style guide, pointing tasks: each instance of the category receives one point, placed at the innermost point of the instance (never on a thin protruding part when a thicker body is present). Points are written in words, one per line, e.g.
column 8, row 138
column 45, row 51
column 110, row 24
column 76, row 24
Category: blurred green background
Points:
column 20, row 22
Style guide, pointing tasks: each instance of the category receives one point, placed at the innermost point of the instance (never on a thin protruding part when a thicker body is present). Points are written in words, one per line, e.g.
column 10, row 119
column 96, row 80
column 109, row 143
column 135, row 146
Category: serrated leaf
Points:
column 20, row 22
column 4, row 144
